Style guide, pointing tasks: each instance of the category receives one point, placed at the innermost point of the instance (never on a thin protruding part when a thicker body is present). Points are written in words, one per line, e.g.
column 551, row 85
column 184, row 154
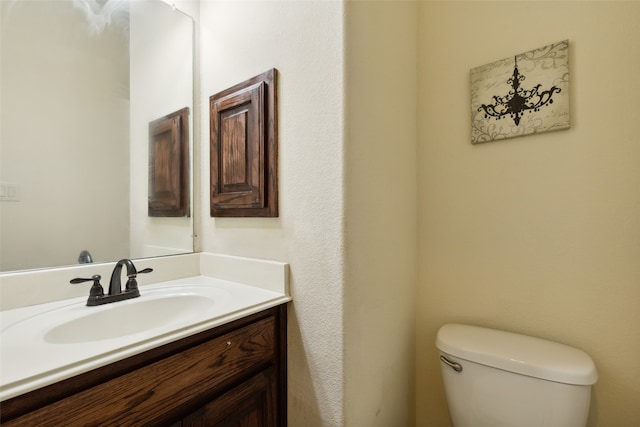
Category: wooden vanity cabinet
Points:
column 232, row 375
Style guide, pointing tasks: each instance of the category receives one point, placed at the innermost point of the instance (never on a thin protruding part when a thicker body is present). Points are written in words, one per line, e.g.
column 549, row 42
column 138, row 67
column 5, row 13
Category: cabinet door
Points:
column 250, row 404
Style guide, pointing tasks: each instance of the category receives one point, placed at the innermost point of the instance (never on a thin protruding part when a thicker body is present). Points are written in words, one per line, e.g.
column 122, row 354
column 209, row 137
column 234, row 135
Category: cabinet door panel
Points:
column 250, row 404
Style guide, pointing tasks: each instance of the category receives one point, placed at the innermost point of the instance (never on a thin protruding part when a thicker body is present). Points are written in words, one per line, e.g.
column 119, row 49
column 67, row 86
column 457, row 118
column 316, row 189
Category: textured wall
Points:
column 538, row 234
column 303, row 40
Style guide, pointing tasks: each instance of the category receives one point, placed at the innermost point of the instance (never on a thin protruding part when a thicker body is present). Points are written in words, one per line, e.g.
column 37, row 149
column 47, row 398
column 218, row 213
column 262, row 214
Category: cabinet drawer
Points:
column 159, row 392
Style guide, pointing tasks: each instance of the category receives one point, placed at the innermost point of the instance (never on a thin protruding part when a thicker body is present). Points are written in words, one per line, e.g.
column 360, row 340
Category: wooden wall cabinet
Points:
column 244, row 180
column 233, row 375
column 169, row 165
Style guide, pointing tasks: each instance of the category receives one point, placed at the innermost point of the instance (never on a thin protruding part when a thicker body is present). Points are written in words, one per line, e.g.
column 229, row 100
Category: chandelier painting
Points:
column 520, row 95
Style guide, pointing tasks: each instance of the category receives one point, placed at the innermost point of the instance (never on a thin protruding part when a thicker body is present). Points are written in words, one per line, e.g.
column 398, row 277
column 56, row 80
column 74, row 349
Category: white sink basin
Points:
column 129, row 317
column 158, row 308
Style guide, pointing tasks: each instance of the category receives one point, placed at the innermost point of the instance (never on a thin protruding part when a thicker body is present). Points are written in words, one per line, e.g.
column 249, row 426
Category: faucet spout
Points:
column 115, row 286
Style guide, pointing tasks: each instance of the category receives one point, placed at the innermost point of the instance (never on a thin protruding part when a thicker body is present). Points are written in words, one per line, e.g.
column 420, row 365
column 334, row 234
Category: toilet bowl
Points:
column 495, row 378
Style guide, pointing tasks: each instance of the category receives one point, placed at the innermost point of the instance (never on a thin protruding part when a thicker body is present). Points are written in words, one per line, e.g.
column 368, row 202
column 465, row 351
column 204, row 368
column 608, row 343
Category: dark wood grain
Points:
column 243, row 149
column 250, row 404
column 169, row 193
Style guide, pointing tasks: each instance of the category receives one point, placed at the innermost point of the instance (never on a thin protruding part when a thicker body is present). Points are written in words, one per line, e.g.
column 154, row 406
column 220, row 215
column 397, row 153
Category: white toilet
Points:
column 500, row 379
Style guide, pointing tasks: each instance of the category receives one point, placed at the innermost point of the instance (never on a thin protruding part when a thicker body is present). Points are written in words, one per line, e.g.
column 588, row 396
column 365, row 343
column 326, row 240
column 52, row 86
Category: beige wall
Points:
column 540, row 234
column 380, row 213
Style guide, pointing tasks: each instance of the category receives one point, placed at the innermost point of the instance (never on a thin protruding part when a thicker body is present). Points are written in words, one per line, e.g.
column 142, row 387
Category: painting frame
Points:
column 520, row 95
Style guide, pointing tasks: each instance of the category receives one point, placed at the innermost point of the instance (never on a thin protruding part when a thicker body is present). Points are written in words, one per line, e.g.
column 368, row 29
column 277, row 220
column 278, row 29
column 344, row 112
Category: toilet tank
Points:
column 496, row 378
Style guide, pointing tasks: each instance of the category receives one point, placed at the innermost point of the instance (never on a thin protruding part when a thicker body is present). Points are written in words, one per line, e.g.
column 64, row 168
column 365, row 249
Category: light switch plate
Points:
column 9, row 192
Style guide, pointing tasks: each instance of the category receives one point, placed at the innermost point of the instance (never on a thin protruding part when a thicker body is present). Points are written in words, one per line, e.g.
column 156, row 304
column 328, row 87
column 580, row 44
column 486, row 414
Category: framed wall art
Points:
column 520, row 95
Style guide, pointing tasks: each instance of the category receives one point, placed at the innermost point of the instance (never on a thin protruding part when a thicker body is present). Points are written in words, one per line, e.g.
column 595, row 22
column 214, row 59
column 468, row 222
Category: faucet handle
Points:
column 95, row 278
column 132, row 284
column 96, row 288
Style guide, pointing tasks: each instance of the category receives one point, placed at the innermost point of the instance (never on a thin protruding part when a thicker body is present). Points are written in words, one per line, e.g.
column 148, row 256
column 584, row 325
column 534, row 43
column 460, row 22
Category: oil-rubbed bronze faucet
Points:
column 96, row 294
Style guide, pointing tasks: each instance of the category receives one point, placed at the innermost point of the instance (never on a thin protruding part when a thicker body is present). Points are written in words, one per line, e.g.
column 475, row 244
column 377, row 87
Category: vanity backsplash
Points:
column 20, row 289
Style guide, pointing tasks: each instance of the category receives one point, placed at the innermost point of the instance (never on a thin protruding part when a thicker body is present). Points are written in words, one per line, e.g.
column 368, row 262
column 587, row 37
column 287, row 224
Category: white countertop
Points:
column 29, row 361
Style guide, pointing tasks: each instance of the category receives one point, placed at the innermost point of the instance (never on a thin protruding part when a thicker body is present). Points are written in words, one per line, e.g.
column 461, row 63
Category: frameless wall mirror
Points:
column 81, row 81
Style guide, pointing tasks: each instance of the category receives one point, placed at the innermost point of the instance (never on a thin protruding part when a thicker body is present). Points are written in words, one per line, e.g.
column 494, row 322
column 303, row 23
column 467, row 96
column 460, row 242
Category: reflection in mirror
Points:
column 81, row 80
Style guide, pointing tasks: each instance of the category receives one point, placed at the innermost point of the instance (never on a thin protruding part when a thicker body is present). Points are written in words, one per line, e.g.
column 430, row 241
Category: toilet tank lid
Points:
column 517, row 353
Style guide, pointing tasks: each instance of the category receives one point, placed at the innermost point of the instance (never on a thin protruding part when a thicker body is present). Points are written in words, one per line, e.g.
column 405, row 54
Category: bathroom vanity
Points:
column 220, row 361
column 233, row 374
